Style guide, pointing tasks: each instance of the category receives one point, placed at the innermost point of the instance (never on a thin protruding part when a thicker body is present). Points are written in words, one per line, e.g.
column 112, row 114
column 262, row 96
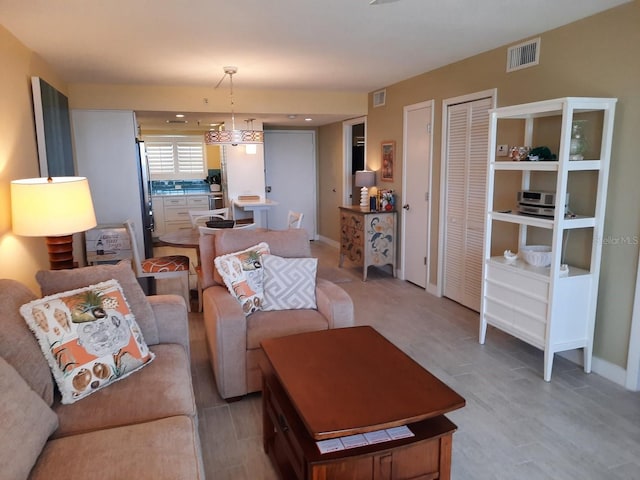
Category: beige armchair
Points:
column 233, row 339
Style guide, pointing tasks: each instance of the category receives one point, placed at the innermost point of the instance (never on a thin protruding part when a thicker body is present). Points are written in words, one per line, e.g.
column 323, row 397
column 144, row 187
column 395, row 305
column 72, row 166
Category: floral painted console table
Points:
column 368, row 238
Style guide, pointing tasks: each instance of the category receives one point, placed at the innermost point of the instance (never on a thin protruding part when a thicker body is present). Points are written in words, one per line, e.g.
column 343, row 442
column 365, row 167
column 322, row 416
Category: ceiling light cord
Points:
column 233, row 137
column 233, row 116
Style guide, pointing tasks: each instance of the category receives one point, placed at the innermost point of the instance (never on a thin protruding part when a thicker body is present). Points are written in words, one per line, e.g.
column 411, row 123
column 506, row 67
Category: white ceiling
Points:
column 340, row 45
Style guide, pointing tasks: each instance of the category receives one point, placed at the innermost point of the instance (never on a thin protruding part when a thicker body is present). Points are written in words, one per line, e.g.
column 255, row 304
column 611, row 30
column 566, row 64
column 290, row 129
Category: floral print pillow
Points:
column 242, row 274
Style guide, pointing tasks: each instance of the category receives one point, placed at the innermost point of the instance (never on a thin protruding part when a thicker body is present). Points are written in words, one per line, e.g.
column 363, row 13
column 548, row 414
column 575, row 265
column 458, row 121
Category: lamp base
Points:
column 364, row 197
column 60, row 252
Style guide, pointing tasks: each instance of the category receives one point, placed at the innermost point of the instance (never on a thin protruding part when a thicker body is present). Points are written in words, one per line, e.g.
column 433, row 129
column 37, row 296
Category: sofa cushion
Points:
column 56, row 281
column 289, row 283
column 89, row 337
column 162, row 449
column 18, row 346
column 161, row 389
column 27, row 421
column 262, row 325
column 242, row 274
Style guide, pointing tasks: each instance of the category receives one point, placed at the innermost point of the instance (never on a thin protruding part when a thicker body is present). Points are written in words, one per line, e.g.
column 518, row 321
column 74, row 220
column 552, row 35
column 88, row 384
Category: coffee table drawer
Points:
column 283, row 445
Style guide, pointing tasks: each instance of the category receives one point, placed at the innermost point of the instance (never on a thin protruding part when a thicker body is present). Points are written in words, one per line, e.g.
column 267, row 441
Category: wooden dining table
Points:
column 183, row 238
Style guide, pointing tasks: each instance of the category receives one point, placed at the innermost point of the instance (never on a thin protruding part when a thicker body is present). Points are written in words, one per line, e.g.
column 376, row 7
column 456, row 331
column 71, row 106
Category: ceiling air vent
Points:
column 379, row 98
column 523, row 55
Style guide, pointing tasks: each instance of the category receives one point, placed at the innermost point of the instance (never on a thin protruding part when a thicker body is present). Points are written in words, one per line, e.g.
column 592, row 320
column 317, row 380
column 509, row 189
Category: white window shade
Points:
column 175, row 157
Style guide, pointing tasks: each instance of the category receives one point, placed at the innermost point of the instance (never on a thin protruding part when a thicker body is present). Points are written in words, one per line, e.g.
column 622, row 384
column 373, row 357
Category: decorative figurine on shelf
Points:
column 518, row 154
column 541, row 153
column 387, row 200
column 578, row 144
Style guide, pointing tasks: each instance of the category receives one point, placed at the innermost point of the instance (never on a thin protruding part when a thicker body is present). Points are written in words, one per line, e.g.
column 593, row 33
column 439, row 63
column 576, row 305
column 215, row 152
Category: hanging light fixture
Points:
column 233, row 136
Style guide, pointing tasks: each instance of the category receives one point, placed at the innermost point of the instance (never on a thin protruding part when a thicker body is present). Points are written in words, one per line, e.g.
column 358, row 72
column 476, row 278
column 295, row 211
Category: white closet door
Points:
column 466, row 170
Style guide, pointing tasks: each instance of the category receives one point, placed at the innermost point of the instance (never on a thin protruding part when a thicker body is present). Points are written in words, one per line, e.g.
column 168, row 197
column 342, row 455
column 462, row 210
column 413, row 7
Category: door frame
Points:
column 442, row 224
column 406, row 109
column 347, row 154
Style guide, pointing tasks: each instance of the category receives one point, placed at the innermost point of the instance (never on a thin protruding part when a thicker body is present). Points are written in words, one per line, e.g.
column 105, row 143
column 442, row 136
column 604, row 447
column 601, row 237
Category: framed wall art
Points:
column 388, row 159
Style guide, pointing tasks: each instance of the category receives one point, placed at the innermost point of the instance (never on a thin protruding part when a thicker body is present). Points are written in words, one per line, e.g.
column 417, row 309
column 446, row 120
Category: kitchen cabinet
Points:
column 552, row 308
column 171, row 212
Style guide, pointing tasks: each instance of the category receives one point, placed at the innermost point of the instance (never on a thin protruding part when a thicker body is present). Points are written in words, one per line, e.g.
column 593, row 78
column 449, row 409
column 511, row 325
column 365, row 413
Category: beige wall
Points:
column 190, row 99
column 594, row 57
column 20, row 257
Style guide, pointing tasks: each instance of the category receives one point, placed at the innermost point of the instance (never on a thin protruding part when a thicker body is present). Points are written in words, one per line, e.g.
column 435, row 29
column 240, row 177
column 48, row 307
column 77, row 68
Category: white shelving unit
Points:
column 539, row 305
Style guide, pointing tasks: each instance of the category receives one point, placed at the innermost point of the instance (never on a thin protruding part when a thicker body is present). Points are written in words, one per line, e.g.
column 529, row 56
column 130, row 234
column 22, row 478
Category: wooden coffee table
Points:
column 341, row 382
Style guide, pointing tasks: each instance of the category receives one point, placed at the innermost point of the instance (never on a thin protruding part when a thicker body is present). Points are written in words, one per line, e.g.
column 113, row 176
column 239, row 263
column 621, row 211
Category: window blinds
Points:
column 175, row 157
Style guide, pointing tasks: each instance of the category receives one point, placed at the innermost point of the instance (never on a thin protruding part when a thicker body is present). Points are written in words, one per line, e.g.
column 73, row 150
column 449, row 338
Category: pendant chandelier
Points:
column 233, row 136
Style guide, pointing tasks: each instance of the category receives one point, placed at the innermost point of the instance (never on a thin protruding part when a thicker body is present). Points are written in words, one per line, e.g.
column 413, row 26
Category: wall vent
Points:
column 523, row 55
column 379, row 98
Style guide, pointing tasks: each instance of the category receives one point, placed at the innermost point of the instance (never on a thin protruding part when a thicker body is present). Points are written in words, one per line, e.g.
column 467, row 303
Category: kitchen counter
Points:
column 259, row 209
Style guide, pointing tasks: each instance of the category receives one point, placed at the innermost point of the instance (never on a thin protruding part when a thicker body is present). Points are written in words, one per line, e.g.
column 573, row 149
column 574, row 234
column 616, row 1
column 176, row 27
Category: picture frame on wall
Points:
column 388, row 159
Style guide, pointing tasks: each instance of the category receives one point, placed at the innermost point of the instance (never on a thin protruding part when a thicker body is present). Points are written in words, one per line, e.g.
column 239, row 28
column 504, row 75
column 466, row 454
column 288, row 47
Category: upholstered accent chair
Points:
column 233, row 339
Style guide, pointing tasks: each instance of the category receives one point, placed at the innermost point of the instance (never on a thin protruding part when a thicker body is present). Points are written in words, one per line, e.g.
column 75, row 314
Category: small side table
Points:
column 368, row 237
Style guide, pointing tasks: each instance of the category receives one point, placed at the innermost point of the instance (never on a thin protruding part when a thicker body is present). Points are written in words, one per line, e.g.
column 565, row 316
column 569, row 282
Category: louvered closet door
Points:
column 466, row 169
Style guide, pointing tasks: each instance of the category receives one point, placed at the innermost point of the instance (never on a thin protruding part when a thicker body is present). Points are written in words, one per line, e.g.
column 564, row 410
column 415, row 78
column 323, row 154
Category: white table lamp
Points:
column 365, row 179
column 55, row 208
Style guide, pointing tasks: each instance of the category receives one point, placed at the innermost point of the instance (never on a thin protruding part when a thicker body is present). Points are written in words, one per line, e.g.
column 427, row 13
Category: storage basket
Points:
column 537, row 255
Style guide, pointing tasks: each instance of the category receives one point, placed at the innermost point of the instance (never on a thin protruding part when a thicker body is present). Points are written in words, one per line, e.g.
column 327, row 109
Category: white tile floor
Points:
column 514, row 426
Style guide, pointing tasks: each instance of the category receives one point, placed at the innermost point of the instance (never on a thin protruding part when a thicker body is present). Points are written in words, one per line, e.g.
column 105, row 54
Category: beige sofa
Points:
column 143, row 426
column 234, row 339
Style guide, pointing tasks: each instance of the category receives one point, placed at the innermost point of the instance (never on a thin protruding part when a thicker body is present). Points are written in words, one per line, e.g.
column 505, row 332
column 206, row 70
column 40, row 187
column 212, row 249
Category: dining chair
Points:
column 294, row 219
column 199, row 217
column 168, row 266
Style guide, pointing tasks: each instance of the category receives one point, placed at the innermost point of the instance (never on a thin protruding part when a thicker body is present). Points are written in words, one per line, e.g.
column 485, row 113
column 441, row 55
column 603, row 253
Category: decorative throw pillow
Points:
column 56, row 281
column 89, row 337
column 242, row 274
column 27, row 422
column 289, row 283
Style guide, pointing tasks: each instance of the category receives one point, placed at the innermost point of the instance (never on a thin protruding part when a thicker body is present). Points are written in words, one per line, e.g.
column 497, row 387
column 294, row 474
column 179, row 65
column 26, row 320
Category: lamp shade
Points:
column 234, row 137
column 365, row 178
column 57, row 206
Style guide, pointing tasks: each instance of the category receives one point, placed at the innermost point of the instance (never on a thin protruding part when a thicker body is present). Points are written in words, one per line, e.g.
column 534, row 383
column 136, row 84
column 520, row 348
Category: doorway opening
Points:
column 355, row 155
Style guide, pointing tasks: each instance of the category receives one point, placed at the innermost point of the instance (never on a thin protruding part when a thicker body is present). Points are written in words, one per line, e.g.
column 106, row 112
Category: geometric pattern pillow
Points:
column 89, row 337
column 242, row 274
column 289, row 283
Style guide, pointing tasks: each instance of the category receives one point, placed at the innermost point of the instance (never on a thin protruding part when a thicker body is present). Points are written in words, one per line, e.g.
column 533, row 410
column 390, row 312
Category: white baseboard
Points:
column 605, row 369
column 432, row 288
column 328, row 241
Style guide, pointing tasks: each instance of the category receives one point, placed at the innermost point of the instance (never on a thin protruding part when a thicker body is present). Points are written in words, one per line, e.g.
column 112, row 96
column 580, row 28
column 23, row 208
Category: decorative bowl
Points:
column 221, row 223
column 537, row 255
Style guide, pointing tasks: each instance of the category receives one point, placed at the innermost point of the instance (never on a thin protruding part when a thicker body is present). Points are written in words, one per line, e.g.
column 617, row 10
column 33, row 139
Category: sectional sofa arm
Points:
column 171, row 318
column 226, row 330
column 334, row 304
